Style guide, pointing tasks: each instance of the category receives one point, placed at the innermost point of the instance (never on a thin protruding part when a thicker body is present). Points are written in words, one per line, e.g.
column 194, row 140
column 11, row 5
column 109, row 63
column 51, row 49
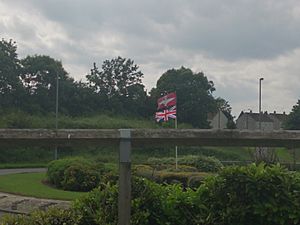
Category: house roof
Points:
column 265, row 117
column 255, row 116
column 279, row 116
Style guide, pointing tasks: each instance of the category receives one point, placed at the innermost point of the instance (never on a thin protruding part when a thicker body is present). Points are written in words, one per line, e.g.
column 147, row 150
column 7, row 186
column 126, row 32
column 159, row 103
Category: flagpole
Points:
column 176, row 126
column 165, row 102
column 176, row 153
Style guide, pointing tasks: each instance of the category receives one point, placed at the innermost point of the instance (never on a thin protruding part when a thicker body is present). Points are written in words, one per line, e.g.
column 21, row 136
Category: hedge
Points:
column 74, row 174
column 260, row 195
column 201, row 162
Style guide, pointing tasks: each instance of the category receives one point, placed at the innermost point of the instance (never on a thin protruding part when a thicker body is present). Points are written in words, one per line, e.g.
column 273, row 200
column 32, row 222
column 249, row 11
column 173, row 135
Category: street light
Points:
column 56, row 113
column 259, row 100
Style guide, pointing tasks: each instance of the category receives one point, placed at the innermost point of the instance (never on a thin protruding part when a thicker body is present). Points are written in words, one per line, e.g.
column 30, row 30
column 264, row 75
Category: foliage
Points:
column 187, row 176
column 186, row 179
column 80, row 178
column 293, row 119
column 53, row 216
column 10, row 84
column 74, row 174
column 224, row 107
column 119, row 85
column 25, row 155
column 39, row 76
column 18, row 119
column 29, row 85
column 194, row 95
column 259, row 195
column 151, row 204
column 100, row 206
column 181, row 207
column 202, row 163
column 221, row 153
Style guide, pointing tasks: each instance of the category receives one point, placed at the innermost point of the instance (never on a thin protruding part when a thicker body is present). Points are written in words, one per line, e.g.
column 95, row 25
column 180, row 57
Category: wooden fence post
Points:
column 124, row 202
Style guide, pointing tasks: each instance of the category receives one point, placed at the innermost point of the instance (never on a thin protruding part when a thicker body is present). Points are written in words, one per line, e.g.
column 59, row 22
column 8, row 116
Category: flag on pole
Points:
column 167, row 101
column 166, row 114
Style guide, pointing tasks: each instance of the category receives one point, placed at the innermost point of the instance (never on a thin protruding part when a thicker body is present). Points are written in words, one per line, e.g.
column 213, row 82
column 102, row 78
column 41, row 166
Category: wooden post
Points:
column 124, row 204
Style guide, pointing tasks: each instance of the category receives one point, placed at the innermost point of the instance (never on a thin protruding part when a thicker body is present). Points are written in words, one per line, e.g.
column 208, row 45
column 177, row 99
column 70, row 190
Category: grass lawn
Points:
column 30, row 184
column 22, row 165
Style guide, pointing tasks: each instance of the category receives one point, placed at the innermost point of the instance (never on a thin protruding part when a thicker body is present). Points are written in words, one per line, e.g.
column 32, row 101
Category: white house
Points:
column 252, row 121
column 217, row 120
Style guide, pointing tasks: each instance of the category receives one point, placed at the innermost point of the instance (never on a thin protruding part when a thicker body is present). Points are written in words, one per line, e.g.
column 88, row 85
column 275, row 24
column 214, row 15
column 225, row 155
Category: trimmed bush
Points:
column 144, row 171
column 181, row 168
column 186, row 179
column 80, row 178
column 202, row 163
column 100, row 207
column 261, row 195
column 74, row 174
column 53, row 216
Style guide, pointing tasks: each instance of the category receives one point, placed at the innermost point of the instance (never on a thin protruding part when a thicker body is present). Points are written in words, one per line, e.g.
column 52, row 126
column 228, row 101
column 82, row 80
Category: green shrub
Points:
column 74, row 174
column 18, row 120
column 261, row 195
column 100, row 207
column 221, row 153
column 181, row 168
column 173, row 178
column 53, row 216
column 161, row 161
column 181, row 207
column 80, row 178
column 195, row 181
column 202, row 163
column 144, row 171
column 187, row 179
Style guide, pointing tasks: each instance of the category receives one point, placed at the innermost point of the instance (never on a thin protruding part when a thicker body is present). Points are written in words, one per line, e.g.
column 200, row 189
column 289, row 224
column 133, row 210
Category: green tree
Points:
column 224, row 106
column 10, row 84
column 194, row 95
column 39, row 74
column 79, row 99
column 119, row 84
column 293, row 119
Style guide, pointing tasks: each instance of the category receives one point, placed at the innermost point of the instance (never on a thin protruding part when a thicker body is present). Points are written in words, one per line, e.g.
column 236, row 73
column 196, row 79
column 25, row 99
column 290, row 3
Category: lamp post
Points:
column 56, row 113
column 259, row 100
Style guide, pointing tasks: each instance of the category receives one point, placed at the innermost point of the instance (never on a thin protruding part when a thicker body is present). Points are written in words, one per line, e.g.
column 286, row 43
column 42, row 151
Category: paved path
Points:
column 21, row 170
column 10, row 203
column 16, row 204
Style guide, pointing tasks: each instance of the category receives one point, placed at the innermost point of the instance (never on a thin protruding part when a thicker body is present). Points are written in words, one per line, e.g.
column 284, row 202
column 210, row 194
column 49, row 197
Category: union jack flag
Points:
column 166, row 114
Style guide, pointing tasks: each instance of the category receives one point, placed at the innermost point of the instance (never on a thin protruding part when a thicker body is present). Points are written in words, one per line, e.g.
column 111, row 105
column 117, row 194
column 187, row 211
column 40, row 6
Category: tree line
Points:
column 29, row 85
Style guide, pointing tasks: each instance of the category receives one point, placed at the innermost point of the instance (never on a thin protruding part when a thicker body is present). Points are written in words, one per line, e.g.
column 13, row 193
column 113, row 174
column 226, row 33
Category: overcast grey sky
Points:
column 234, row 42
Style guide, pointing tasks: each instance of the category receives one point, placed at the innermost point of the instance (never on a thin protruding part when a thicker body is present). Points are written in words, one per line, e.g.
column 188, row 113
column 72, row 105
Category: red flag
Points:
column 167, row 101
